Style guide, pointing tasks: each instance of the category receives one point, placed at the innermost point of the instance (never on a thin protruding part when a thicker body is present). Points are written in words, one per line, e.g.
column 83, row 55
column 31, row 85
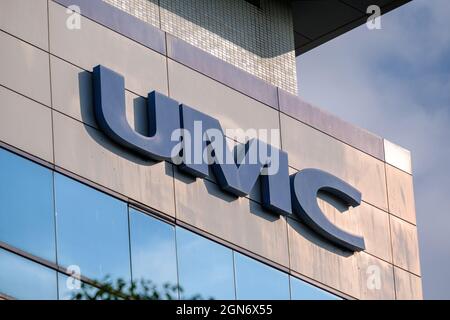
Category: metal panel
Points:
column 125, row 24
column 91, row 45
column 24, row 69
column 26, row 124
column 233, row 109
column 350, row 273
column 221, row 71
column 397, row 156
column 316, row 258
column 401, row 194
column 26, row 19
column 407, row 286
column 309, row 148
column 405, row 245
column 376, row 278
column 85, row 151
column 359, row 138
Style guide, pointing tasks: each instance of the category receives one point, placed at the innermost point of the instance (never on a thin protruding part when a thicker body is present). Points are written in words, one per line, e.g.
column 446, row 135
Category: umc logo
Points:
column 195, row 142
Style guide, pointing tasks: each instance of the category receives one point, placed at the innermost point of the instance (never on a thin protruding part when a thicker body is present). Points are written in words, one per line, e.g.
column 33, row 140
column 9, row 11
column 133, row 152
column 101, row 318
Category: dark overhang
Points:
column 318, row 21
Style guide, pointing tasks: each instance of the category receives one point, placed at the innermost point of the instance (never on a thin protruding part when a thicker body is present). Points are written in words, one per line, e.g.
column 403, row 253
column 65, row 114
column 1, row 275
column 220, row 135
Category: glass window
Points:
column 204, row 267
column 21, row 278
column 153, row 253
column 68, row 288
column 26, row 206
column 257, row 281
column 301, row 290
column 92, row 231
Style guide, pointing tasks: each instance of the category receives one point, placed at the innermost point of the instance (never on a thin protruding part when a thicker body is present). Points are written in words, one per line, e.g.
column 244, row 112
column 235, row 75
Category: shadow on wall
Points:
column 140, row 114
column 89, row 122
column 315, row 240
column 262, row 27
column 140, row 124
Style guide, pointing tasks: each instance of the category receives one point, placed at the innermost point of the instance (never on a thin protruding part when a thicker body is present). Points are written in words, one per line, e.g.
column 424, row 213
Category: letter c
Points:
column 304, row 188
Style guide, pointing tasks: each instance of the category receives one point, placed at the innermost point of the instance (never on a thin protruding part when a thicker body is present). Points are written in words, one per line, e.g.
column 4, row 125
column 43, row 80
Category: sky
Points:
column 395, row 82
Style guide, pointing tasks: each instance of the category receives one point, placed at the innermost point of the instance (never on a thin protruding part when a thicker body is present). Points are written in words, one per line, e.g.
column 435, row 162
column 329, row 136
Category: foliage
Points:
column 119, row 289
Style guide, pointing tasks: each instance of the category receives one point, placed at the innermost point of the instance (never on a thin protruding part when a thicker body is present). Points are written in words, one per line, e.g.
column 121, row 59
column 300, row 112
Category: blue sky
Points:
column 395, row 82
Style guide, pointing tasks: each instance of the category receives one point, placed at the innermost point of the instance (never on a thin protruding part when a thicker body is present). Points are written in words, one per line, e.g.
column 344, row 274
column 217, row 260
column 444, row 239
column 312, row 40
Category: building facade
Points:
column 76, row 205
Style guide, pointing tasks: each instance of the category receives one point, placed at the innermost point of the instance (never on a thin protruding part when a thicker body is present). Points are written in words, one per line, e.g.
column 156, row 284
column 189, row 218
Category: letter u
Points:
column 110, row 112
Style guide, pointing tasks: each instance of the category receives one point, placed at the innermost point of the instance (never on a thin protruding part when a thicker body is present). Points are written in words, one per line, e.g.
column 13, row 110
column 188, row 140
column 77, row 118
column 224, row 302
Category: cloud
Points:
column 396, row 83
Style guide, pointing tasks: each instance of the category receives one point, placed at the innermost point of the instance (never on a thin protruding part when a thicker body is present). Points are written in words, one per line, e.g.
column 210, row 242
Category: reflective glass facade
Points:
column 21, row 278
column 92, row 230
column 108, row 240
column 26, row 206
column 301, row 290
column 153, row 250
column 205, row 267
column 257, row 281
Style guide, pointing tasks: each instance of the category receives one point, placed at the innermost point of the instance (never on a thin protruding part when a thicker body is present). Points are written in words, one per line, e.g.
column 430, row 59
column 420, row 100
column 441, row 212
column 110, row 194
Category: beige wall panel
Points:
column 85, row 151
column 26, row 124
column 73, row 95
column 233, row 109
column 364, row 220
column 376, row 278
column 405, row 245
column 309, row 148
column 144, row 70
column 401, row 194
column 407, row 286
column 26, row 19
column 397, row 156
column 318, row 259
column 24, row 68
